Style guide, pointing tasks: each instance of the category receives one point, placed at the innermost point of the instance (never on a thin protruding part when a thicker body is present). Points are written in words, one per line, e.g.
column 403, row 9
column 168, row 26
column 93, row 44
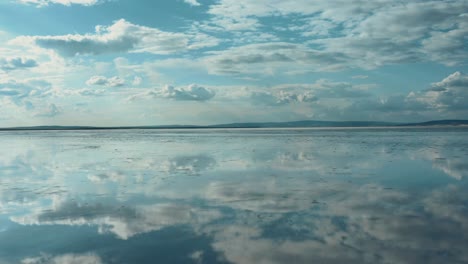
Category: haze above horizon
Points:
column 265, row 125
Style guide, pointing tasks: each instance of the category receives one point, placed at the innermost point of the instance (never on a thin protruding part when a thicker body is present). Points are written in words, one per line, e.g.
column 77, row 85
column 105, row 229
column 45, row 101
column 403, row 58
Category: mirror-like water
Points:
column 239, row 196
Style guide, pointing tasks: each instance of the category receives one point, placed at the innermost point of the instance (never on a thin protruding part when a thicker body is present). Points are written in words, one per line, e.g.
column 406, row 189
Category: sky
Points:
column 146, row 62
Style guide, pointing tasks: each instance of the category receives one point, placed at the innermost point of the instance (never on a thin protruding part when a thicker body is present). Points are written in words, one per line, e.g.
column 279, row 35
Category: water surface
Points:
column 234, row 196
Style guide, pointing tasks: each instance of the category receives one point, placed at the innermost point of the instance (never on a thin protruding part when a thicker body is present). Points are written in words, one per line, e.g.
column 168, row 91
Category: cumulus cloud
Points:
column 309, row 92
column 122, row 36
column 446, row 96
column 9, row 64
column 41, row 3
column 104, row 81
column 449, row 94
column 444, row 99
column 192, row 92
column 31, row 97
column 97, row 80
column 192, row 2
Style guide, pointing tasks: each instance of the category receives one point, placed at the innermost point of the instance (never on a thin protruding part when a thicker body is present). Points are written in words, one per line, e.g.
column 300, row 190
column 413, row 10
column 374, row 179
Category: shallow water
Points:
column 234, row 196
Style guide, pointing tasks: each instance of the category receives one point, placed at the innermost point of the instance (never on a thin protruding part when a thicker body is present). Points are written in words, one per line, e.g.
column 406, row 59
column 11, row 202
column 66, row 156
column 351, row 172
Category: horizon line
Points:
column 267, row 124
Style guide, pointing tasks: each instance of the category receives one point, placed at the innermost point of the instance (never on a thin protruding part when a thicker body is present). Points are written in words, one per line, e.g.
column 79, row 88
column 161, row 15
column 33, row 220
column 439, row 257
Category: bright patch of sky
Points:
column 124, row 62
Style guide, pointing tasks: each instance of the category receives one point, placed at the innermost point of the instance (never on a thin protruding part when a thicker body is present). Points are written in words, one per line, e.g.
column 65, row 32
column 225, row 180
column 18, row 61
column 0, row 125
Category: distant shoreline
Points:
column 267, row 125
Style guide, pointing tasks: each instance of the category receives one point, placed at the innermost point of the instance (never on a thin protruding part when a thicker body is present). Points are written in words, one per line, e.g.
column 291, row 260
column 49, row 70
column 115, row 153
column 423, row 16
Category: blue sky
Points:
column 124, row 62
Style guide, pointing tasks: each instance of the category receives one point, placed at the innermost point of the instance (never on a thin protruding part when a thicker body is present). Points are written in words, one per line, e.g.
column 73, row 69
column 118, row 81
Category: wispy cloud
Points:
column 273, row 57
column 50, row 111
column 41, row 3
column 281, row 98
column 420, row 31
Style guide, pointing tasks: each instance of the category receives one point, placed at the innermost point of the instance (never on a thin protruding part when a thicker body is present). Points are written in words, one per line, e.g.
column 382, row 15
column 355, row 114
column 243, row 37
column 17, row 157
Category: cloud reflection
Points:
column 64, row 259
column 188, row 164
column 123, row 221
column 367, row 225
column 294, row 196
column 456, row 167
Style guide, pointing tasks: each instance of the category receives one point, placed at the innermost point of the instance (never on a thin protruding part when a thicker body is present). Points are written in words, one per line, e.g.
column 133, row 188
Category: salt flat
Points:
column 234, row 196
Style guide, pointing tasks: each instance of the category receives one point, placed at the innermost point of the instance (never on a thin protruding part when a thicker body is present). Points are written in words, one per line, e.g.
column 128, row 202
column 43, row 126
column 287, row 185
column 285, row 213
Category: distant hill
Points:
column 439, row 123
column 304, row 123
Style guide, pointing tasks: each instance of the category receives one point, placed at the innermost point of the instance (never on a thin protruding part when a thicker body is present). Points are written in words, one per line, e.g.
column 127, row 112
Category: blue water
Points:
column 234, row 196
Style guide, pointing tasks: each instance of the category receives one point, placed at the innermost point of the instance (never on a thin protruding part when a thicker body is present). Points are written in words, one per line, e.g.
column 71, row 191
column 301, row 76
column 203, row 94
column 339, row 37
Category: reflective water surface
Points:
column 239, row 196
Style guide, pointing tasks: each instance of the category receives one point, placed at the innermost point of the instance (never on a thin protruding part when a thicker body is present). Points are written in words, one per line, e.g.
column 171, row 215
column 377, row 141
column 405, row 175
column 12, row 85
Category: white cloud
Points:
column 137, row 80
column 416, row 31
column 446, row 99
column 449, row 94
column 229, row 13
column 120, row 37
column 97, row 80
column 192, row 2
column 449, row 46
column 41, row 3
column 104, row 81
column 9, row 64
column 192, row 92
column 20, row 90
column 288, row 94
column 366, row 34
